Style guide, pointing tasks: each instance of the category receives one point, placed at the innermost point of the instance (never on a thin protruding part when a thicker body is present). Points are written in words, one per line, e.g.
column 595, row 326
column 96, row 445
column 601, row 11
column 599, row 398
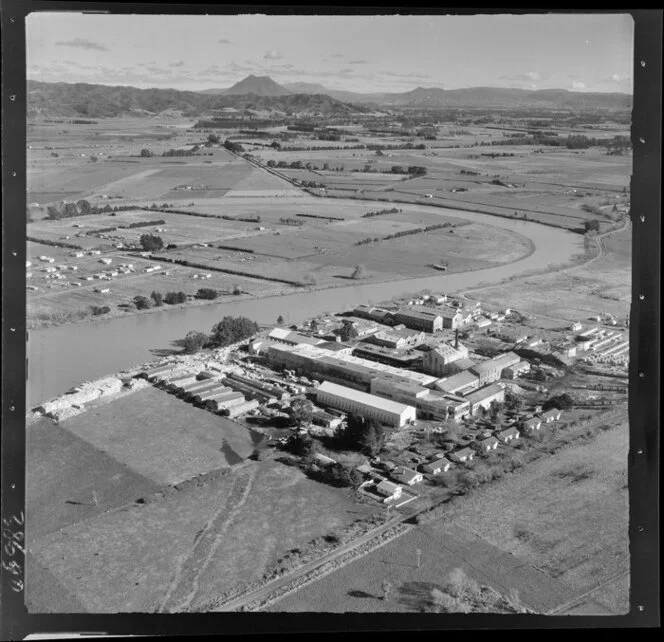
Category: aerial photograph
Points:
column 328, row 313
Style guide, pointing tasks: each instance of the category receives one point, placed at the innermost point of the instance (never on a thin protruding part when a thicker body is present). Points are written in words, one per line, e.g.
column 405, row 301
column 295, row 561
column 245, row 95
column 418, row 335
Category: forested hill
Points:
column 97, row 101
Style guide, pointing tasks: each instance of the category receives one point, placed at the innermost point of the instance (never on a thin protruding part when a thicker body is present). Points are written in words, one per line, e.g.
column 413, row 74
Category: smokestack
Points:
column 456, row 338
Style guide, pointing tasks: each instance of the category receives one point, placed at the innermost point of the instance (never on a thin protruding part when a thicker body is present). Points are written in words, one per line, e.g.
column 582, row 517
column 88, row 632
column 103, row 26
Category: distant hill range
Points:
column 98, row 101
column 475, row 97
column 262, row 94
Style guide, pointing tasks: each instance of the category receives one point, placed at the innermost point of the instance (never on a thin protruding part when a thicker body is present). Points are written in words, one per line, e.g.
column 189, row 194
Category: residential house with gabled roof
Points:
column 533, row 423
column 389, row 490
column 508, row 434
column 406, row 475
column 437, row 466
column 551, row 415
column 487, row 444
column 462, row 455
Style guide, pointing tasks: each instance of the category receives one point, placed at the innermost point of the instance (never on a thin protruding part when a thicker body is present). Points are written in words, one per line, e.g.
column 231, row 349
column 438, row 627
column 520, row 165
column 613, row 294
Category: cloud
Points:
column 179, row 63
column 272, row 55
column 527, row 76
column 81, row 44
column 225, row 41
column 577, row 84
column 358, row 62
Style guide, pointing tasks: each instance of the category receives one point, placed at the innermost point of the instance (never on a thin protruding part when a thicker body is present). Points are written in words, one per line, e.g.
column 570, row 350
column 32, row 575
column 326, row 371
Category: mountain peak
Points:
column 258, row 85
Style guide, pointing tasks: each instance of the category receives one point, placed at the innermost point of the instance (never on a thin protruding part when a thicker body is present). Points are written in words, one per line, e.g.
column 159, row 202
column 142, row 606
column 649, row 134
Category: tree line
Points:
column 418, row 230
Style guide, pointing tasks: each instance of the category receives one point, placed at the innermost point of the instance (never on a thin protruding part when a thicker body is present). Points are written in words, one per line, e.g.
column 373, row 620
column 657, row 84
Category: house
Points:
column 462, row 455
column 364, row 469
column 438, row 466
column 576, row 327
column 483, row 322
column 487, row 444
column 389, row 490
column 325, row 419
column 507, row 435
column 534, row 423
column 551, row 415
column 406, row 475
column 452, row 317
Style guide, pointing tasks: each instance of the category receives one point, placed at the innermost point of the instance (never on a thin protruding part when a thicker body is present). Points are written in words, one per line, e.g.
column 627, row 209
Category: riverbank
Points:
column 524, row 248
column 115, row 344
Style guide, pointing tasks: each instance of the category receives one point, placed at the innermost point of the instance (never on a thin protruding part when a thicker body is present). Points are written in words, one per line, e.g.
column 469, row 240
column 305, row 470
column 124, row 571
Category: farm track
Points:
column 185, row 583
column 311, row 571
column 580, row 599
column 278, row 589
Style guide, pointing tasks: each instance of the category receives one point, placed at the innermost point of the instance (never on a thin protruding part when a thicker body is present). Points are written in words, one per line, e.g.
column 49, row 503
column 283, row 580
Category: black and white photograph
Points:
column 328, row 313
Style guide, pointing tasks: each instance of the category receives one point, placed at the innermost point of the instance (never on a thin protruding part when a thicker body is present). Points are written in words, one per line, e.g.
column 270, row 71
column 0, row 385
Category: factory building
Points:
column 491, row 370
column 459, row 384
column 452, row 317
column 483, row 397
column 396, row 338
column 512, row 372
column 380, row 315
column 388, row 356
column 419, row 317
column 363, row 404
column 438, row 360
column 342, row 368
column 430, row 404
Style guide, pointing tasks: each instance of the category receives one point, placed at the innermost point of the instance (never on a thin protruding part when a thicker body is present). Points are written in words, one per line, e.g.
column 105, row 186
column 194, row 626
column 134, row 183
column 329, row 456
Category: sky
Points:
column 578, row 52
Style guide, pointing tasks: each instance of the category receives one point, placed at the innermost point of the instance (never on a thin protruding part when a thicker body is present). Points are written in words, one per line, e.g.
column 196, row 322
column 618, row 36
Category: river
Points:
column 61, row 357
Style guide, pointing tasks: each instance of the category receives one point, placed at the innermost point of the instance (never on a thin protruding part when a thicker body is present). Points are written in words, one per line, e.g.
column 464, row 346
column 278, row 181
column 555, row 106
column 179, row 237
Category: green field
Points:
column 180, row 551
column 133, row 431
column 552, row 532
column 604, row 285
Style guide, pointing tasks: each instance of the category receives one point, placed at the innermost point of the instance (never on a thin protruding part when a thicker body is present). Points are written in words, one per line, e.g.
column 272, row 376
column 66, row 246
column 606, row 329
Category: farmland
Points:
column 566, row 535
column 191, row 442
column 227, row 530
column 603, row 285
column 468, row 168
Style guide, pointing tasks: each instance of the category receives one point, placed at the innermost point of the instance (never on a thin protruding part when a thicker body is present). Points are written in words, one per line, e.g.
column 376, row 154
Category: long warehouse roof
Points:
column 363, row 397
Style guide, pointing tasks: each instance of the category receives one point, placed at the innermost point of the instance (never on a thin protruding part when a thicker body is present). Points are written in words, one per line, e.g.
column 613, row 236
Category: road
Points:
column 265, row 591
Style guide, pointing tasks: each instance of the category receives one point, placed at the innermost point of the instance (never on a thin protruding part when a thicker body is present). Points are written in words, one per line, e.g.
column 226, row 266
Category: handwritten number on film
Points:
column 12, row 543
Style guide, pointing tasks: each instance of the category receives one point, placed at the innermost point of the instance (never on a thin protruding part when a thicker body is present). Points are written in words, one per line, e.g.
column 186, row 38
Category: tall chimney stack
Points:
column 456, row 338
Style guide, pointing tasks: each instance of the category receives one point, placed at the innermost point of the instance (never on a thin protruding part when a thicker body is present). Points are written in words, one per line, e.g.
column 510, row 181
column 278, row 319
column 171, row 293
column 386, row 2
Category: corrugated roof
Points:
column 483, row 393
column 459, row 380
column 362, row 397
column 279, row 333
column 499, row 362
